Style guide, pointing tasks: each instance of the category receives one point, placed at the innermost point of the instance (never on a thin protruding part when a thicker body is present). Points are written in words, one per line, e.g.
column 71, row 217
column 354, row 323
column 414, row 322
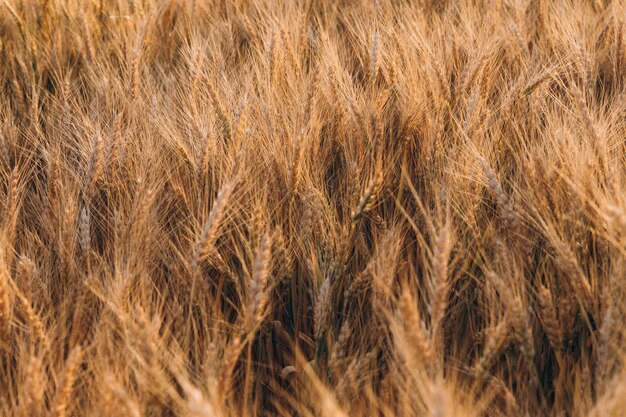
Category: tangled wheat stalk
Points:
column 347, row 208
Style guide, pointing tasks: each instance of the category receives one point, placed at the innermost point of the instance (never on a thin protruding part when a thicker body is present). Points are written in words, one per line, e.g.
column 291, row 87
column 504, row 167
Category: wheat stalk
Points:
column 368, row 198
column 321, row 313
column 550, row 320
column 64, row 389
column 258, row 296
column 494, row 344
column 416, row 335
column 33, row 320
column 5, row 307
column 504, row 203
column 220, row 111
column 375, row 55
column 440, row 278
column 210, row 229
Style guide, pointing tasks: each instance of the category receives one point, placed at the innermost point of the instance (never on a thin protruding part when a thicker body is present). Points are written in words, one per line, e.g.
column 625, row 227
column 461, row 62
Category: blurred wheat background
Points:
column 312, row 208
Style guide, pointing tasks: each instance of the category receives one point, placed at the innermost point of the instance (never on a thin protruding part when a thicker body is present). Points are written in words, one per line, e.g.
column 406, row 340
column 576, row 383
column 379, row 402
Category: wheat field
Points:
column 312, row 208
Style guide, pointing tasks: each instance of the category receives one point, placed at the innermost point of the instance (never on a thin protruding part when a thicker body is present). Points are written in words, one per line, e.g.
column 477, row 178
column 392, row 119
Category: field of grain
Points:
column 312, row 208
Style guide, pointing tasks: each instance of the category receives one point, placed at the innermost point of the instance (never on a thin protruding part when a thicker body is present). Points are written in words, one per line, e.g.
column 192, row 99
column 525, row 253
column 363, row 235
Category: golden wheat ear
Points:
column 65, row 387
